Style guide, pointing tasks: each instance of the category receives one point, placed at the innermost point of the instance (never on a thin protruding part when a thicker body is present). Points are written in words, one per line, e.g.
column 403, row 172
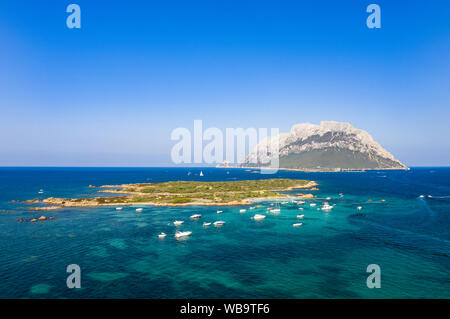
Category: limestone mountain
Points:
column 330, row 146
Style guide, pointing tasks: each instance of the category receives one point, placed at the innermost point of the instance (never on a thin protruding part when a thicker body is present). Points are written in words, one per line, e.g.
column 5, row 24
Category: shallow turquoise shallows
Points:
column 121, row 256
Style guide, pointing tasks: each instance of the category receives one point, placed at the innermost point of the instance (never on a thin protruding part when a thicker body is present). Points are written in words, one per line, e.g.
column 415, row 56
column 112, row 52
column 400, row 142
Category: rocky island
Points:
column 328, row 147
column 183, row 193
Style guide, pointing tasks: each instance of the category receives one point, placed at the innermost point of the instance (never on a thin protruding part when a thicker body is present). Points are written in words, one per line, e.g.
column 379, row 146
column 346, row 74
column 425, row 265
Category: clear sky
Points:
column 110, row 93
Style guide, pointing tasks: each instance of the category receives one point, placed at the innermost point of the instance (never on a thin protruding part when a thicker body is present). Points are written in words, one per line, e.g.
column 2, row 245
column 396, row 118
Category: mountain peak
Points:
column 328, row 146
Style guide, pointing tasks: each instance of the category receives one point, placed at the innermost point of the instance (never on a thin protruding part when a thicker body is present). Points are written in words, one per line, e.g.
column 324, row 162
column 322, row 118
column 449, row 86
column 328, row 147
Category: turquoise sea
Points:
column 121, row 257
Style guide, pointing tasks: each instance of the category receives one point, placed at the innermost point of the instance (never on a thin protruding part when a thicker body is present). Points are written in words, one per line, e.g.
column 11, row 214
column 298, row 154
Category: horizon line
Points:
column 48, row 166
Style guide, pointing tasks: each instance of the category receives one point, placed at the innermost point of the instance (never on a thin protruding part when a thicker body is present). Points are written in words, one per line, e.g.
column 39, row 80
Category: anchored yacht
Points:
column 179, row 234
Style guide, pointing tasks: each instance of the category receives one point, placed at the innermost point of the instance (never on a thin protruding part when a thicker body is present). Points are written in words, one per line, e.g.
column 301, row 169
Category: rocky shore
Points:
column 182, row 193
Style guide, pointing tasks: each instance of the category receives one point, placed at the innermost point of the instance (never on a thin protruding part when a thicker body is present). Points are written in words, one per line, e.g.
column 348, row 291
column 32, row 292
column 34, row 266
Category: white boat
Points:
column 301, row 202
column 118, row 208
column 41, row 191
column 340, row 194
column 253, row 207
column 284, row 203
column 300, row 216
column 242, row 211
column 196, row 216
column 359, row 207
column 328, row 198
column 259, row 217
column 421, row 196
column 219, row 223
column 429, row 196
column 297, row 224
column 276, row 209
column 219, row 212
column 312, row 204
column 206, row 224
column 201, row 173
column 179, row 234
column 326, row 206
column 162, row 235
column 139, row 209
column 178, row 222
column 300, row 208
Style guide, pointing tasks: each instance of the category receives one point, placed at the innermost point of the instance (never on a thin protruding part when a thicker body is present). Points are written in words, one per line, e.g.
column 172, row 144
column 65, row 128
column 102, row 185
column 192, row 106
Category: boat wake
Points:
column 427, row 207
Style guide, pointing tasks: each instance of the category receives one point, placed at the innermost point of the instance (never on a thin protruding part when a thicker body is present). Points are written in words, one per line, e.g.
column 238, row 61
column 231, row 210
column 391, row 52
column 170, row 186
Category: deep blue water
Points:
column 121, row 257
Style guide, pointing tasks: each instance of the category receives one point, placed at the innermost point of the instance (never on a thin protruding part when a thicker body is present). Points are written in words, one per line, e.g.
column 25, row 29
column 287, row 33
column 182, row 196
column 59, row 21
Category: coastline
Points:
column 131, row 196
column 331, row 170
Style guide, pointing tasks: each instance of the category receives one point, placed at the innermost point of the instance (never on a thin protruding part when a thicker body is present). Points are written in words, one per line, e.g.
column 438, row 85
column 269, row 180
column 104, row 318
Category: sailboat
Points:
column 276, row 209
column 201, row 173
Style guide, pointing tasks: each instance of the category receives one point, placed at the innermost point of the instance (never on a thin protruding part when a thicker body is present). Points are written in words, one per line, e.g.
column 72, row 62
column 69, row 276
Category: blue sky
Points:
column 110, row 93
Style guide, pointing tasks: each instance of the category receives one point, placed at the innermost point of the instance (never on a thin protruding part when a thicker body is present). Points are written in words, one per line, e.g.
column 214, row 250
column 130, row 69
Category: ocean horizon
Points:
column 121, row 256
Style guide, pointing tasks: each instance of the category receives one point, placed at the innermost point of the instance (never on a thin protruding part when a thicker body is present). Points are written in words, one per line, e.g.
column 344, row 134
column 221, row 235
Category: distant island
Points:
column 330, row 146
column 183, row 193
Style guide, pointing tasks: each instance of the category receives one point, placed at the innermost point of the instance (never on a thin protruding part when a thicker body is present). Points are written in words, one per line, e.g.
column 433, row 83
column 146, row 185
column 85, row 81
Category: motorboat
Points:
column 259, row 217
column 326, row 206
column 421, row 196
column 359, row 207
column 297, row 224
column 219, row 223
column 253, row 207
column 242, row 211
column 219, row 212
column 196, row 216
column 300, row 208
column 206, row 224
column 300, row 202
column 119, row 208
column 41, row 191
column 179, row 234
column 162, row 235
column 312, row 204
column 178, row 222
column 300, row 216
column 139, row 209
